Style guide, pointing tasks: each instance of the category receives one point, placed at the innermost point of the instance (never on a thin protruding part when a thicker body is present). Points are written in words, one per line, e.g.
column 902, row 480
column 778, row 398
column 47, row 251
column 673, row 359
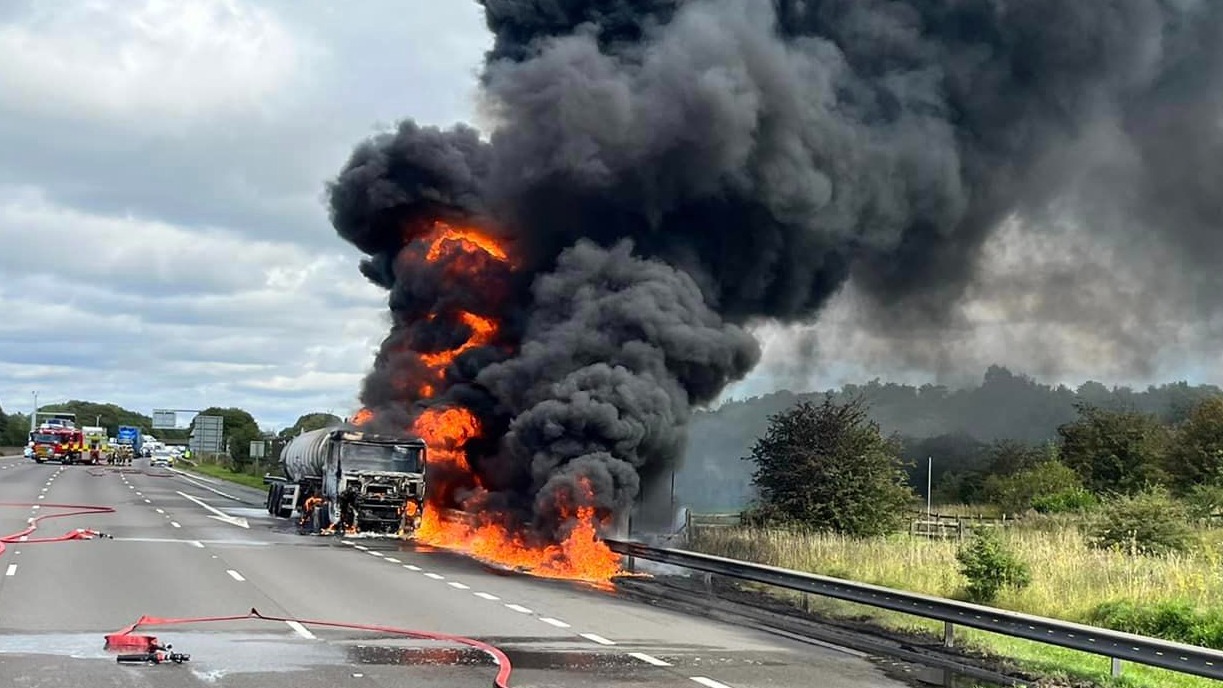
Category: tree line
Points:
column 830, row 466
column 957, row 427
column 239, row 426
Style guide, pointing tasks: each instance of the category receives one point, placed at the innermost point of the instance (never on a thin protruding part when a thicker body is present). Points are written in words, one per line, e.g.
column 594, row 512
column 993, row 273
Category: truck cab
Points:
column 347, row 480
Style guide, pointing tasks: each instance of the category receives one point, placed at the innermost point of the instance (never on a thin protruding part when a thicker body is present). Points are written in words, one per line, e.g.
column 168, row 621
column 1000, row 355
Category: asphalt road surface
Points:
column 171, row 556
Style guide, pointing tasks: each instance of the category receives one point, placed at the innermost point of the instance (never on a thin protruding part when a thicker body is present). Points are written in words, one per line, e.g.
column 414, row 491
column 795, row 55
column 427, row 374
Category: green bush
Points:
column 1204, row 501
column 1150, row 522
column 1177, row 620
column 989, row 566
column 1066, row 501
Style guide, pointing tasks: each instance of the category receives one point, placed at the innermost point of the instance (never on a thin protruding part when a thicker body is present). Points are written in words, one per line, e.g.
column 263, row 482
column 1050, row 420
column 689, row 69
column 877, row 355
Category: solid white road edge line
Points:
column 648, row 659
column 301, row 630
column 597, row 639
column 235, row 575
column 710, row 683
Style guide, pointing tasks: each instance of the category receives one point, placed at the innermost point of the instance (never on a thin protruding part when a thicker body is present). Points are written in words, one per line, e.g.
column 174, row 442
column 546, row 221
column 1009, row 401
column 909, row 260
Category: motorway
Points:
column 188, row 546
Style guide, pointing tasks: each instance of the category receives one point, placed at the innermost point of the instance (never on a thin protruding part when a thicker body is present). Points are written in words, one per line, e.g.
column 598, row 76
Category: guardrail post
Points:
column 1116, row 667
column 948, row 634
column 708, row 580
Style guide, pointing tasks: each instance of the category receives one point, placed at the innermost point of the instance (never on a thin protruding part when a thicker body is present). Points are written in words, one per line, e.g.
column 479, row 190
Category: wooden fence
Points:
column 941, row 527
column 921, row 524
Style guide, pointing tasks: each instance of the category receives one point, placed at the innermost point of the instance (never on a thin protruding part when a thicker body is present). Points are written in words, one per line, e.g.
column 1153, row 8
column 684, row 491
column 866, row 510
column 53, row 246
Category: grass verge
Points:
column 224, row 473
column 1069, row 581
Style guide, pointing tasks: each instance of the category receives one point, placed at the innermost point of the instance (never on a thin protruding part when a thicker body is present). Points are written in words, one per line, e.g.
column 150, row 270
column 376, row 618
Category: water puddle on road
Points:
column 520, row 659
column 225, row 652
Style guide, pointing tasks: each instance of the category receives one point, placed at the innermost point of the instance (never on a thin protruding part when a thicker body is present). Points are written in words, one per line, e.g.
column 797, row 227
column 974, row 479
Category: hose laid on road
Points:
column 75, row 534
column 126, row 638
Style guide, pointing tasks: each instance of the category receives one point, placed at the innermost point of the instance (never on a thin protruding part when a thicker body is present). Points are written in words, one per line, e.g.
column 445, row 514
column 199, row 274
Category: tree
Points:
column 1022, row 490
column 1115, row 451
column 828, row 467
column 1196, row 454
column 239, row 429
column 308, row 422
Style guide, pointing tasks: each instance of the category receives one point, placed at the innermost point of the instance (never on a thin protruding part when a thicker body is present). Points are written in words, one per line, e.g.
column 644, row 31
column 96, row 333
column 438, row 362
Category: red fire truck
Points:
column 58, row 439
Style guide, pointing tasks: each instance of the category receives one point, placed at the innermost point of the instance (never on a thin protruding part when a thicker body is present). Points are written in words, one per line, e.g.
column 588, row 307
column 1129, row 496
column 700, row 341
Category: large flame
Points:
column 455, row 517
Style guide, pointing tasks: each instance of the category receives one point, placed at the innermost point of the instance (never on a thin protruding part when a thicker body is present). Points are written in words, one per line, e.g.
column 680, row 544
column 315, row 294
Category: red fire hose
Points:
column 125, row 638
column 76, row 534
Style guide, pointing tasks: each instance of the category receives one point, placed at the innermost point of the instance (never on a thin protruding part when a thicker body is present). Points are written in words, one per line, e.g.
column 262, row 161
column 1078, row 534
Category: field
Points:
column 217, row 470
column 1069, row 580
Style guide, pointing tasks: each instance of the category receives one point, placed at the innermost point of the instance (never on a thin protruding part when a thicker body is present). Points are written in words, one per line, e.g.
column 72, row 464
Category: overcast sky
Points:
column 164, row 240
column 163, row 235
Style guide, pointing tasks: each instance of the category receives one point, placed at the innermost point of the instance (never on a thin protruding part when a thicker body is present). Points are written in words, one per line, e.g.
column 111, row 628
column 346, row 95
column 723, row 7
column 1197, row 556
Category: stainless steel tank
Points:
column 306, row 456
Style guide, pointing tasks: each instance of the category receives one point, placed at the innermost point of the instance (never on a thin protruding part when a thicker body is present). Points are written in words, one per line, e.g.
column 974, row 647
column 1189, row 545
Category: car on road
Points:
column 161, row 457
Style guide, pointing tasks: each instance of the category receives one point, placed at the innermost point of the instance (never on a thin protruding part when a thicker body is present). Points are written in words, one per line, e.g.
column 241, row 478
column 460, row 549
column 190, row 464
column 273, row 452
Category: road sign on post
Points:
column 206, row 436
column 257, row 449
column 164, row 419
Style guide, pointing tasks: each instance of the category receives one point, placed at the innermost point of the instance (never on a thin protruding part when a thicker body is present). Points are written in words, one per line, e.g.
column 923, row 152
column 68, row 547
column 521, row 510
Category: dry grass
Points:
column 1069, row 578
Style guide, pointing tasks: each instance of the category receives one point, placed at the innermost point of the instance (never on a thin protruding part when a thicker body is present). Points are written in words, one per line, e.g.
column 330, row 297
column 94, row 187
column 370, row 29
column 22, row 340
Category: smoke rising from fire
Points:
column 662, row 173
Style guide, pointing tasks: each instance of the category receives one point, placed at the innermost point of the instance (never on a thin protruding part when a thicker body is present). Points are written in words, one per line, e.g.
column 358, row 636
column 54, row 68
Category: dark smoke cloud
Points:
column 763, row 156
column 615, row 352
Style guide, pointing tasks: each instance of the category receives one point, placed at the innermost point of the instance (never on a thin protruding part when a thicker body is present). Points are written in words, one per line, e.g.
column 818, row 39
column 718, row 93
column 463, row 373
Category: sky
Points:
column 164, row 240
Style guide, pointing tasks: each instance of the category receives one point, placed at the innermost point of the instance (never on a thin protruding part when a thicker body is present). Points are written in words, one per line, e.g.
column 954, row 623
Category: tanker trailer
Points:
column 341, row 479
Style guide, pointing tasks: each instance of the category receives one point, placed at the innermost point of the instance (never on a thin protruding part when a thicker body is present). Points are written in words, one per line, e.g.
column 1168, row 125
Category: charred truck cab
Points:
column 347, row 480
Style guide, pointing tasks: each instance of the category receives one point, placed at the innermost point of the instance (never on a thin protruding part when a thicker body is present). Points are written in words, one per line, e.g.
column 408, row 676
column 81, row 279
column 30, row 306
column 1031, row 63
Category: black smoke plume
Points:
column 670, row 171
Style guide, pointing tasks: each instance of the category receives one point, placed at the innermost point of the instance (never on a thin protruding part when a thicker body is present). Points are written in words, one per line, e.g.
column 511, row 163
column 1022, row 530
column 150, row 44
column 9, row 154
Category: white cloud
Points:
column 140, row 61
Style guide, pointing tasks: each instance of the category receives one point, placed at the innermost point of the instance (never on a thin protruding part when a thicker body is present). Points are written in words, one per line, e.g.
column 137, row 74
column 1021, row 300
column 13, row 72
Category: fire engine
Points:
column 58, row 439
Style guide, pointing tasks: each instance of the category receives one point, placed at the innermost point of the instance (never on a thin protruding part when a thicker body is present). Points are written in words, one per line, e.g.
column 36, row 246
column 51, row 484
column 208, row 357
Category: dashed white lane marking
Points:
column 375, row 554
column 434, row 576
column 175, row 524
column 42, row 496
column 393, row 560
column 596, row 639
column 361, row 547
column 37, row 507
column 648, row 659
column 23, row 538
column 459, row 586
column 519, row 608
column 411, row 567
column 301, row 630
column 708, row 682
column 12, row 570
column 553, row 622
column 147, row 501
column 160, row 511
column 197, row 543
column 486, row 596
column 235, row 575
column 131, row 487
column 139, row 493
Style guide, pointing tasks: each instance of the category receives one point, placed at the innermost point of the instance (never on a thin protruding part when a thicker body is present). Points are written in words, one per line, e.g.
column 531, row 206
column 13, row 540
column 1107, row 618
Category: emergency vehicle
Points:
column 58, row 439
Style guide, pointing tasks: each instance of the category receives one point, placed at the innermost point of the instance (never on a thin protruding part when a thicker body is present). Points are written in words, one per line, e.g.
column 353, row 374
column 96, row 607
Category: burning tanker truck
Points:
column 343, row 479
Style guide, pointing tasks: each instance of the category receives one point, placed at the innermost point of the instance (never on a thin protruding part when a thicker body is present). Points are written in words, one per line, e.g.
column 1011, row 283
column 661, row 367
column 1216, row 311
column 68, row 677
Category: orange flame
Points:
column 482, row 332
column 362, row 417
column 580, row 556
column 470, row 240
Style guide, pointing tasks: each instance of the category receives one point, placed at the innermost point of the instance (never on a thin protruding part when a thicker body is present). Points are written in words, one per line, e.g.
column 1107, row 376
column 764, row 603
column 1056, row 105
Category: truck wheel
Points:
column 321, row 518
column 277, row 492
column 267, row 502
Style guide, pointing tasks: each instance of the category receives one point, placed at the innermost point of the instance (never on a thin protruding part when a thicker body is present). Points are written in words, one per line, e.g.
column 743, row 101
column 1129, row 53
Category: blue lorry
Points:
column 130, row 436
